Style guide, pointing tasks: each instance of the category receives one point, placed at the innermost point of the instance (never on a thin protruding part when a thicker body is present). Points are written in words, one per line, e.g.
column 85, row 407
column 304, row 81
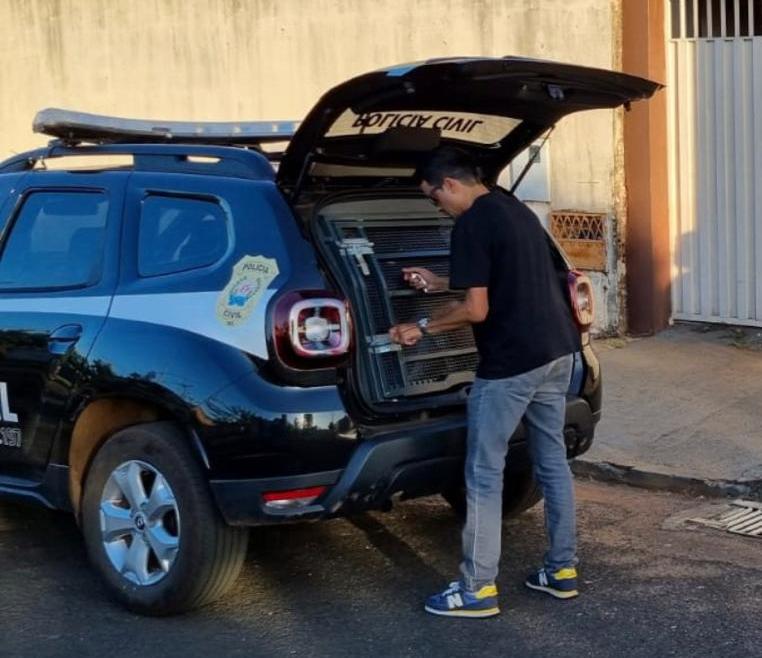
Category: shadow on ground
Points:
column 356, row 587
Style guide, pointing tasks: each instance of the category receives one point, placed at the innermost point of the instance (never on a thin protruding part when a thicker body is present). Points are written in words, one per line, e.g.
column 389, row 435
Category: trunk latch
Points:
column 358, row 248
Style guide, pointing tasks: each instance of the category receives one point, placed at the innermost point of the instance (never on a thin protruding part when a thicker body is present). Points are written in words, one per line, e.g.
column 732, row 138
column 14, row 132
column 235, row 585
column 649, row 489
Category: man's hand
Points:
column 407, row 334
column 422, row 279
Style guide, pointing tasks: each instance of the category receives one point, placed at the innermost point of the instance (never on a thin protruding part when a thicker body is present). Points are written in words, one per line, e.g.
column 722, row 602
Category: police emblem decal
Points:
column 250, row 278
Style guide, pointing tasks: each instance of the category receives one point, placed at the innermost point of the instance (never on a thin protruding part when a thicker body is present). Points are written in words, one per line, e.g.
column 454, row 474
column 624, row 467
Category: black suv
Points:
column 195, row 341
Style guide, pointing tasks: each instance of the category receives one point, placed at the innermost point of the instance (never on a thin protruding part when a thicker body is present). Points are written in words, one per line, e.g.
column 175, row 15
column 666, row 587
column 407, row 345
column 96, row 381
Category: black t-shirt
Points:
column 499, row 243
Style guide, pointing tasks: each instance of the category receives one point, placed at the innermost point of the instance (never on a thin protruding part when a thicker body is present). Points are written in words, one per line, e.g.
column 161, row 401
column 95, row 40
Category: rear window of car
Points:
column 56, row 241
column 179, row 234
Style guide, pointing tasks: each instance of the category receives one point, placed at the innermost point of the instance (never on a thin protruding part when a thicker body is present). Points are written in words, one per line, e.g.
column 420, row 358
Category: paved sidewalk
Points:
column 681, row 410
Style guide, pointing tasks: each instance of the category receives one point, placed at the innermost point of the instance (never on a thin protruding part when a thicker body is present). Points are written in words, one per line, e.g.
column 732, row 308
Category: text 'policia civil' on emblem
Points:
column 251, row 276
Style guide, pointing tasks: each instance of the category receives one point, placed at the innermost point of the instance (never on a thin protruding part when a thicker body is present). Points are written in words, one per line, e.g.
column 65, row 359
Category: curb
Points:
column 608, row 472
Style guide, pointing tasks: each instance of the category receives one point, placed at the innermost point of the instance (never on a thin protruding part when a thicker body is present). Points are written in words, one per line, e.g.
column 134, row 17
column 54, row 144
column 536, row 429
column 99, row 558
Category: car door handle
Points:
column 62, row 338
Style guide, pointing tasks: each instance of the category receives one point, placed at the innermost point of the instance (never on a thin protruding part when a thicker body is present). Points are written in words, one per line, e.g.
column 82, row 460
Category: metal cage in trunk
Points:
column 370, row 242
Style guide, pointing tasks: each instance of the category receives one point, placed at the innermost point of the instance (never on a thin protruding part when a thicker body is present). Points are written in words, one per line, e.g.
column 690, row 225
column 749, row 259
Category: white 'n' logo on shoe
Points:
column 454, row 601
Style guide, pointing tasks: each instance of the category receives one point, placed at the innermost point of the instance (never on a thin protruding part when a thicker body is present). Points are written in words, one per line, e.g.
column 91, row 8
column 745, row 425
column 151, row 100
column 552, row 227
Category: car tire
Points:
column 169, row 551
column 520, row 492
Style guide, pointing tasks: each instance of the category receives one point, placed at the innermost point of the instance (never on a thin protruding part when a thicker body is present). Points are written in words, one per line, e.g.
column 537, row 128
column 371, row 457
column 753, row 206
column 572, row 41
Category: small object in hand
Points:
column 419, row 282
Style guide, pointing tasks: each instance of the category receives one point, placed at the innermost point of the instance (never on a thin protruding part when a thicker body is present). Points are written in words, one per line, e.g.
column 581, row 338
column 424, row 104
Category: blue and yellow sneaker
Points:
column 562, row 583
column 458, row 602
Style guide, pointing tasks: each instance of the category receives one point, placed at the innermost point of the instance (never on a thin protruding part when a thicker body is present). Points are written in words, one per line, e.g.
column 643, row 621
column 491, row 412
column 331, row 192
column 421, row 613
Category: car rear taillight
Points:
column 312, row 329
column 292, row 497
column 581, row 293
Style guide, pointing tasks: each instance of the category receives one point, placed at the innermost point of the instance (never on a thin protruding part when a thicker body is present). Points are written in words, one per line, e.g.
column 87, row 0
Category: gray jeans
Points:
column 495, row 407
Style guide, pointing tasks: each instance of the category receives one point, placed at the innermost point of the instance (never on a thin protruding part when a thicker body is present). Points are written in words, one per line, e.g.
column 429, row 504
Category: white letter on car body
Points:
column 7, row 414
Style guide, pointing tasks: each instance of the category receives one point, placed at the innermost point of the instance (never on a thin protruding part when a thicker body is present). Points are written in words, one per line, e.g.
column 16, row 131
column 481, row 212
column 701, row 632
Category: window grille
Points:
column 582, row 235
column 715, row 19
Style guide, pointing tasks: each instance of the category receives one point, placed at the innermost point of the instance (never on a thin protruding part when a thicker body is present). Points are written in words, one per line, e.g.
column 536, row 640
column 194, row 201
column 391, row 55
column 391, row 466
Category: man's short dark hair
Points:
column 447, row 162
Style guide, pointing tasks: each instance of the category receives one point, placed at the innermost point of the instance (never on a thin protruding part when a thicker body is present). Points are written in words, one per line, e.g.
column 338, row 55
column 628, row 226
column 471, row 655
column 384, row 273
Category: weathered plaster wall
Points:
column 254, row 59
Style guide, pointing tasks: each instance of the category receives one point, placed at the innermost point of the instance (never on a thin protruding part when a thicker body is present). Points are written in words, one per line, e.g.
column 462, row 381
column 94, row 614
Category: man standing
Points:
column 525, row 336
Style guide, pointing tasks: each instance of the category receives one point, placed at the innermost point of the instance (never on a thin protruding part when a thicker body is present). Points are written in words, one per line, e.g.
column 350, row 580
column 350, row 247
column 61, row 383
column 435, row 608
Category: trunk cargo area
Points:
column 367, row 243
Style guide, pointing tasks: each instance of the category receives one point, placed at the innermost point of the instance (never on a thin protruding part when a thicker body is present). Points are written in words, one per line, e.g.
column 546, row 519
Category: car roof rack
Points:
column 74, row 128
column 210, row 160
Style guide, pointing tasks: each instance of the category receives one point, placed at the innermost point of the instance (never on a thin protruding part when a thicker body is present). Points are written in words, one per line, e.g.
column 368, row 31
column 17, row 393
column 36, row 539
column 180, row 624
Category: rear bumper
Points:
column 417, row 460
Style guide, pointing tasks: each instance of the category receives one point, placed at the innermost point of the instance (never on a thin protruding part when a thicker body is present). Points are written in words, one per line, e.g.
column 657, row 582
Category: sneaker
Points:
column 562, row 583
column 458, row 602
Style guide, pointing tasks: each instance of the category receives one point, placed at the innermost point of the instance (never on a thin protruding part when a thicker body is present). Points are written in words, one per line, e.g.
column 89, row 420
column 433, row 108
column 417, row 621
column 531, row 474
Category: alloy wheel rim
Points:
column 139, row 522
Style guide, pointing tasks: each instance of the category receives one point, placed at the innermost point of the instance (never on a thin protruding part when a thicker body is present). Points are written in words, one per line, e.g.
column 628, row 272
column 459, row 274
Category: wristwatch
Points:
column 423, row 325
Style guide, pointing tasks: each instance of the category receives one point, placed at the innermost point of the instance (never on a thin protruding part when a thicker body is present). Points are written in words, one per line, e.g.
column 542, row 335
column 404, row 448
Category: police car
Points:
column 194, row 329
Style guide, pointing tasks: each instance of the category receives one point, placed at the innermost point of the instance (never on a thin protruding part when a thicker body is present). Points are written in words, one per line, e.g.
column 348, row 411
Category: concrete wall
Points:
column 254, row 59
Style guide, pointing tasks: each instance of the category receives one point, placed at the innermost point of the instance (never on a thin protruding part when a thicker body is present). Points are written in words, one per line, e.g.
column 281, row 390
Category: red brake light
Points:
column 581, row 294
column 292, row 497
column 312, row 329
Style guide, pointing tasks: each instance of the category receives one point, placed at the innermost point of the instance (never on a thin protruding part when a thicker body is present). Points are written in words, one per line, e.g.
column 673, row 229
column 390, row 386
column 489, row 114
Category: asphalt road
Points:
column 356, row 588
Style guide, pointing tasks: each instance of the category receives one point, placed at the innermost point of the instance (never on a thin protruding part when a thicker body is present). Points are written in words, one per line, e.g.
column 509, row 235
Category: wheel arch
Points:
column 102, row 418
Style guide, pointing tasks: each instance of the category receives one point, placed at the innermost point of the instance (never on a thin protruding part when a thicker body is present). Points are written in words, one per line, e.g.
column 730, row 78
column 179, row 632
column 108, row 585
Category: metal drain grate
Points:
column 742, row 517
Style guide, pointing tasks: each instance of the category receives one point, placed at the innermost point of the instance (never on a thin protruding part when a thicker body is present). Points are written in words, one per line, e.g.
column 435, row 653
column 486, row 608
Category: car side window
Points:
column 56, row 241
column 177, row 234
